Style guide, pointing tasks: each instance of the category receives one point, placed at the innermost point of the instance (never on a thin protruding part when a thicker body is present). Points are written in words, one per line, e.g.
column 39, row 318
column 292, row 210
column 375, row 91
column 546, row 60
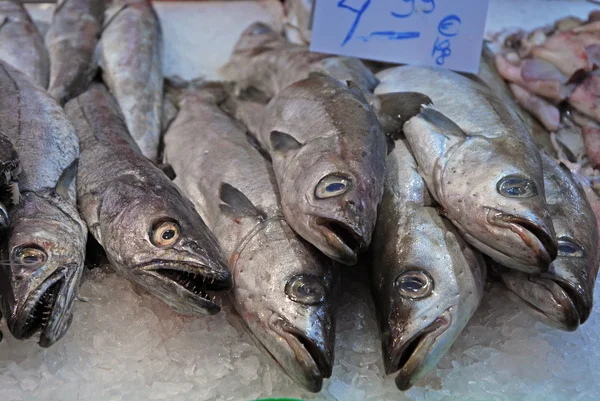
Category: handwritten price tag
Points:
column 446, row 33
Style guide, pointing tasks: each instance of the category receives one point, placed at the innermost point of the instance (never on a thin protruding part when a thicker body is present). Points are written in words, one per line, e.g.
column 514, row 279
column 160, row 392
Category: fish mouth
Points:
column 47, row 309
column 541, row 243
column 191, row 280
column 344, row 242
column 410, row 359
column 312, row 358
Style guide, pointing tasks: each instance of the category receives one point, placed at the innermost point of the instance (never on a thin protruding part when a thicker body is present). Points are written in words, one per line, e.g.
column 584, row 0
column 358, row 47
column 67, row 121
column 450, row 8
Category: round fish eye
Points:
column 332, row 185
column 29, row 256
column 515, row 186
column 305, row 289
column 165, row 233
column 414, row 284
column 259, row 30
column 569, row 248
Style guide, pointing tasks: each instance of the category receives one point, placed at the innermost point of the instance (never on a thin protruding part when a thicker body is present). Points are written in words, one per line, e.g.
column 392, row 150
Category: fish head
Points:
column 158, row 240
column 42, row 266
column 500, row 206
column 254, row 37
column 331, row 182
column 284, row 292
column 431, row 285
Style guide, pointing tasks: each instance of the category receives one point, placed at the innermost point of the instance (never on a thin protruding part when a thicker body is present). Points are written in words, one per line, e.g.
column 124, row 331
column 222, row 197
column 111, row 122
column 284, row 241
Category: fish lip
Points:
column 418, row 347
column 63, row 279
column 164, row 271
column 314, row 360
column 337, row 234
column 537, row 239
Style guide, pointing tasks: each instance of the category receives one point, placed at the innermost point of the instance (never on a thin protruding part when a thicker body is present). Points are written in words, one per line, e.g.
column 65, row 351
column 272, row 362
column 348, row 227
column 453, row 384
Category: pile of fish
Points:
column 264, row 186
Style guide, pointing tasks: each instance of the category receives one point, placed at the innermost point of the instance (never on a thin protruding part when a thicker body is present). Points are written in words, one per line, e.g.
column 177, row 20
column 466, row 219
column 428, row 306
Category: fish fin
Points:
column 281, row 142
column 66, row 179
column 168, row 170
column 236, row 204
column 394, row 109
column 446, row 126
column 256, row 145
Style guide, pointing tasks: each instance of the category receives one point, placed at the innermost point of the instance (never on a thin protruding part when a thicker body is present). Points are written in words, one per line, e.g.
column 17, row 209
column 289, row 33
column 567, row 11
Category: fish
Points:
column 10, row 168
column 265, row 60
column 43, row 256
column 299, row 14
column 562, row 297
column 132, row 68
column 480, row 164
column 150, row 231
column 426, row 281
column 71, row 41
column 328, row 152
column 21, row 44
column 284, row 288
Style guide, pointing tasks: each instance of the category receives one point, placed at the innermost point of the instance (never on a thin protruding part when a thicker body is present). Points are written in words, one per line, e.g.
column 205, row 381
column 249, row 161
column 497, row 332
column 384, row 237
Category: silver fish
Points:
column 132, row 68
column 562, row 297
column 71, row 41
column 328, row 153
column 10, row 169
column 480, row 163
column 427, row 282
column 21, row 45
column 44, row 255
column 149, row 230
column 265, row 60
column 283, row 287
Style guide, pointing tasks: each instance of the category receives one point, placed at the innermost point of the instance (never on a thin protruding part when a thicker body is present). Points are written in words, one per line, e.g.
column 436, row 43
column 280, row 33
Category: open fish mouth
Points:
column 195, row 281
column 47, row 309
column 542, row 244
column 310, row 357
column 411, row 359
column 343, row 240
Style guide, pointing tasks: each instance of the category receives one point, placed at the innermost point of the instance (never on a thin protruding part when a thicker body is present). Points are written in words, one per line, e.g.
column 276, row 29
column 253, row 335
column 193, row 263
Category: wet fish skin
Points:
column 126, row 201
column 316, row 130
column 21, row 45
column 265, row 60
column 132, row 69
column 47, row 239
column 499, row 209
column 71, row 41
column 412, row 240
column 9, row 171
column 241, row 206
column 562, row 297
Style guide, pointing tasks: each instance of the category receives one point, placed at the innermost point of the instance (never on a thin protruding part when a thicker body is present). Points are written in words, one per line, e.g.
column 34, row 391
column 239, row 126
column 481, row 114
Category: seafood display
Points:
column 259, row 194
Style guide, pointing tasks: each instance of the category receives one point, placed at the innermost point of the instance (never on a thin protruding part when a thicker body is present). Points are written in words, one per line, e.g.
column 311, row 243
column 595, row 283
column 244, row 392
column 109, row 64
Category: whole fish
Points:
column 328, row 153
column 479, row 162
column 21, row 45
column 130, row 55
column 9, row 172
column 150, row 232
column 562, row 297
column 283, row 287
column 44, row 255
column 71, row 41
column 265, row 60
column 427, row 282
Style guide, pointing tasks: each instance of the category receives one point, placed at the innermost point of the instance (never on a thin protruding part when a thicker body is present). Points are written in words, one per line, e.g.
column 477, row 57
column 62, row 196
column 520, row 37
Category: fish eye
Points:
column 305, row 289
column 259, row 30
column 29, row 255
column 569, row 248
column 515, row 186
column 414, row 284
column 165, row 233
column 332, row 185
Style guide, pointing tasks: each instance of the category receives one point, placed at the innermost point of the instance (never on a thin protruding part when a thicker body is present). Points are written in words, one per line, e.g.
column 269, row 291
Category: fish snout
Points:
column 343, row 239
column 4, row 220
column 312, row 350
column 536, row 234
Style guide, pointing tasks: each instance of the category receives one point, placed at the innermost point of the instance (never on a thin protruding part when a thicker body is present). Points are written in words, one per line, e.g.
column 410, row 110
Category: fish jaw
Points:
column 47, row 308
column 537, row 239
column 338, row 240
column 416, row 356
column 306, row 359
column 184, row 286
